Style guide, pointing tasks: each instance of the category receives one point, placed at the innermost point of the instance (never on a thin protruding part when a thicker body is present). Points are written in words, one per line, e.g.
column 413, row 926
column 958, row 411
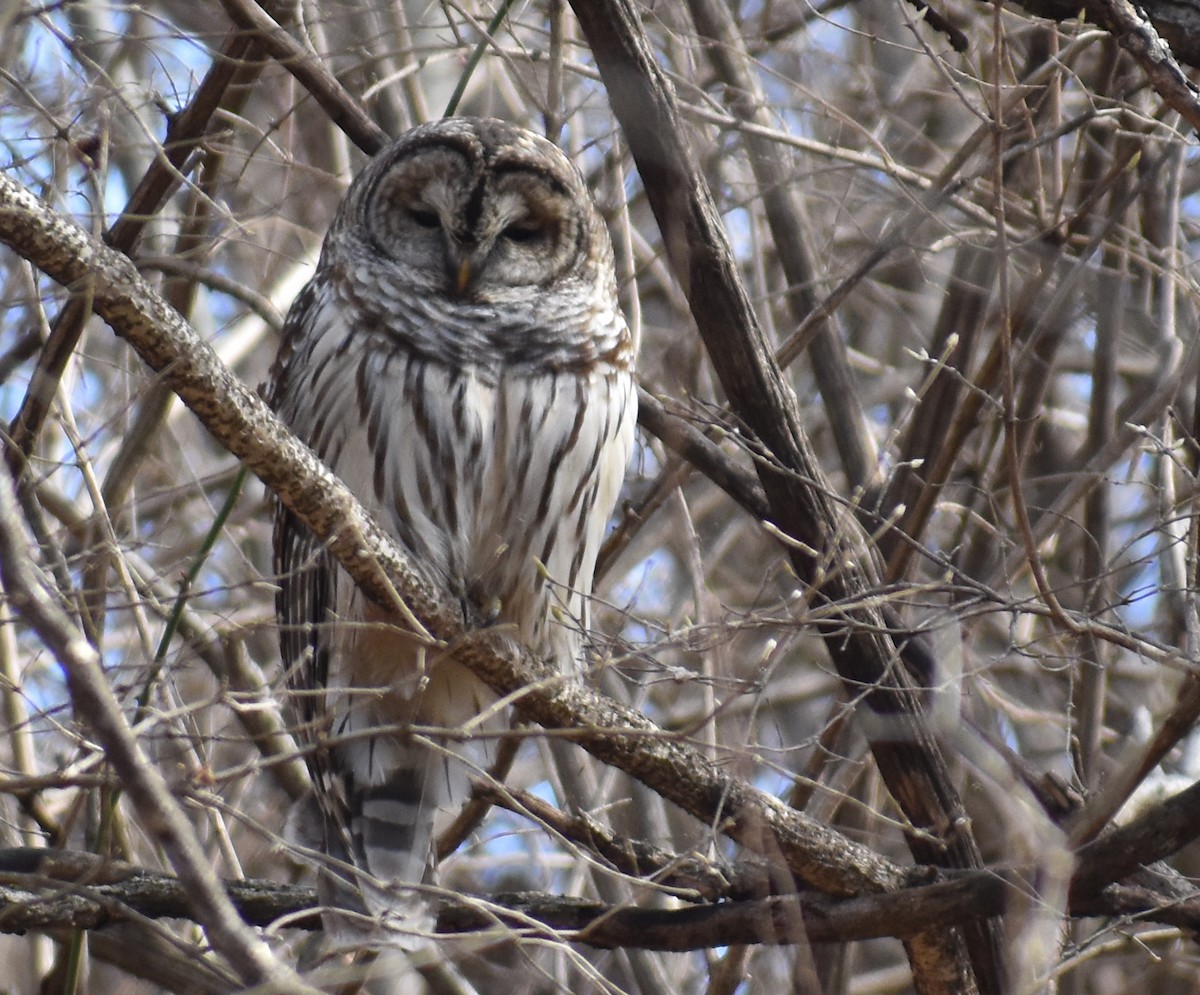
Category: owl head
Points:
column 474, row 208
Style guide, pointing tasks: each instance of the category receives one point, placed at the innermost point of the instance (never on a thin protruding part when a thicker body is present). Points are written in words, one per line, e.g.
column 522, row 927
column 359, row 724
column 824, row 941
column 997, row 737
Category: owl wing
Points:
column 305, row 599
column 374, row 796
column 305, row 572
column 307, row 590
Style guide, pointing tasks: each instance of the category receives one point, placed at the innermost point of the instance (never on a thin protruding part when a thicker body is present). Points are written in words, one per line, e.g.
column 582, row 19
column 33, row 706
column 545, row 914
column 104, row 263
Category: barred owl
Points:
column 460, row 361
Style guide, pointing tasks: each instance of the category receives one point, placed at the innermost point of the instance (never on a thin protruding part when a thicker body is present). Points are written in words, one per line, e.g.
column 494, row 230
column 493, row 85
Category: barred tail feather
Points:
column 379, row 847
column 391, row 825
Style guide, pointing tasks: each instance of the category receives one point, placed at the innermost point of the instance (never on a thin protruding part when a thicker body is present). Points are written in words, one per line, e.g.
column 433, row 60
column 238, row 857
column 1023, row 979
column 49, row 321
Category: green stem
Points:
column 206, row 547
column 477, row 55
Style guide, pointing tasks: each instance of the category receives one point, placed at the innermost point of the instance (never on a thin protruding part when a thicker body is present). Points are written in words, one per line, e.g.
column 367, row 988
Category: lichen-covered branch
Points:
column 235, row 415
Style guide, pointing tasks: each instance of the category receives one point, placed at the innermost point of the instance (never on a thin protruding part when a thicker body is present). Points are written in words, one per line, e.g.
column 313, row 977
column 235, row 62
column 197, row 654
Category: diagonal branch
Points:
column 1137, row 35
column 185, row 134
column 239, row 419
column 305, row 65
column 1159, row 34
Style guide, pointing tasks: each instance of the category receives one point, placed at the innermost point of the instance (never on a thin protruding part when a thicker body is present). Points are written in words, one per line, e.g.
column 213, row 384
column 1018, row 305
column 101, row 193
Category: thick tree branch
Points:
column 305, row 65
column 234, row 414
column 1176, row 21
column 48, row 890
column 1137, row 35
column 1157, row 833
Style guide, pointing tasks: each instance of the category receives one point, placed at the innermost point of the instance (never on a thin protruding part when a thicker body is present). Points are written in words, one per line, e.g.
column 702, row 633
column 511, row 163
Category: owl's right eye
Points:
column 425, row 219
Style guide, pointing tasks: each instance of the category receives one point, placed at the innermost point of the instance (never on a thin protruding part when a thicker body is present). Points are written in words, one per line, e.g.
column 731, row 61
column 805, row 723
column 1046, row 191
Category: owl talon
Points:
column 490, row 610
column 483, row 612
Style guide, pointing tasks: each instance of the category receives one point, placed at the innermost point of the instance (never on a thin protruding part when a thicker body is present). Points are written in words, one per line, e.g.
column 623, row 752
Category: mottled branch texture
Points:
column 236, row 416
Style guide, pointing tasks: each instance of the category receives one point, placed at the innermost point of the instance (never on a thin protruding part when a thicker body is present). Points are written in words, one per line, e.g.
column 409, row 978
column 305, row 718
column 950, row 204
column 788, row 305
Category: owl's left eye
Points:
column 425, row 219
column 521, row 233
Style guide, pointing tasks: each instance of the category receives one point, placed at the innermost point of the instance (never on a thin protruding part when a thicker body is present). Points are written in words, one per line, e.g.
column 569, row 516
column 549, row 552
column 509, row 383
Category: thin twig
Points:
column 159, row 813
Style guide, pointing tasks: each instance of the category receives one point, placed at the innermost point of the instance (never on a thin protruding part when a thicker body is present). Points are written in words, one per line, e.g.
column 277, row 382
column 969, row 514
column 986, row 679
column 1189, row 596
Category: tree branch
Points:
column 1137, row 35
column 47, row 890
column 236, row 416
column 158, row 812
column 185, row 133
column 841, row 574
column 1176, row 21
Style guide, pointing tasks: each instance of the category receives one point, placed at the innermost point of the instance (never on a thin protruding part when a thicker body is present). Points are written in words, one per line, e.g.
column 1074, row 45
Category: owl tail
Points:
column 382, row 794
column 390, row 834
column 391, row 824
column 377, row 842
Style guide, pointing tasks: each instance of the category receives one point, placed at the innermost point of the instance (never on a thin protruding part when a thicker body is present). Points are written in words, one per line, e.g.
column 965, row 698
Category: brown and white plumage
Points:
column 460, row 361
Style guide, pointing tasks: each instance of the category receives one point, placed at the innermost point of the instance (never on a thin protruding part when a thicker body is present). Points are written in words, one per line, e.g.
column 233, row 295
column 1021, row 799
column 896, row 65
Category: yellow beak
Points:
column 464, row 275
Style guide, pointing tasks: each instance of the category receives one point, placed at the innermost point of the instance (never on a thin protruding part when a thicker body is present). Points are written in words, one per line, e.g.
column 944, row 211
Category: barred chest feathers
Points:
column 493, row 475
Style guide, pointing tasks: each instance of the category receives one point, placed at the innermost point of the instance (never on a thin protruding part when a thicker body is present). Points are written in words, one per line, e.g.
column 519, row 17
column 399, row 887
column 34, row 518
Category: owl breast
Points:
column 494, row 470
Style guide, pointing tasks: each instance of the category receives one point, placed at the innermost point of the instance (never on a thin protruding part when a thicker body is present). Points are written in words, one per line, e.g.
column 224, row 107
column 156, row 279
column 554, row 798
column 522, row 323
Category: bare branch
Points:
column 843, row 573
column 160, row 814
column 44, row 890
column 235, row 415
